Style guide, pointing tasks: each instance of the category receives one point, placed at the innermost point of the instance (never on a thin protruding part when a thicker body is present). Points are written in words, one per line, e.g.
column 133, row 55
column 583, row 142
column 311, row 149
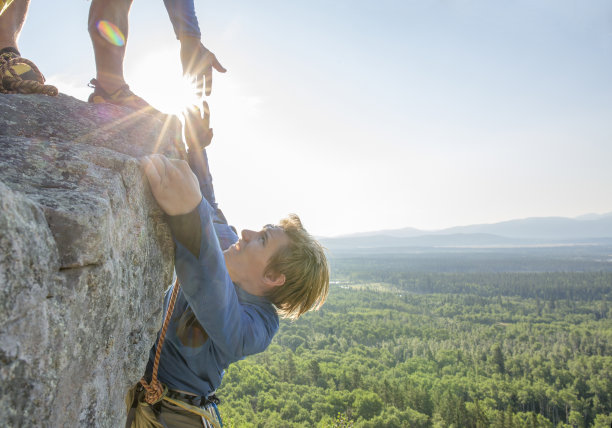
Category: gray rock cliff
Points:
column 85, row 256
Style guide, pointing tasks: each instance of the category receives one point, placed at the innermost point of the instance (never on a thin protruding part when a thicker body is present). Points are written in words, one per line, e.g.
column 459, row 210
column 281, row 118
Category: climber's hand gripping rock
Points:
column 174, row 186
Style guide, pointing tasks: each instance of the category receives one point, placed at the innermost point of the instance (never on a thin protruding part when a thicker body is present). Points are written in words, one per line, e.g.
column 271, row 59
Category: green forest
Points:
column 400, row 344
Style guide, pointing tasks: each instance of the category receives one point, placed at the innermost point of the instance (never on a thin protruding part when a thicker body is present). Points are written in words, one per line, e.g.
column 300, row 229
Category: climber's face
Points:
column 248, row 259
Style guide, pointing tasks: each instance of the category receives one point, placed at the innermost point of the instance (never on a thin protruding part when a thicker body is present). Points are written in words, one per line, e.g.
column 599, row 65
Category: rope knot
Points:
column 155, row 391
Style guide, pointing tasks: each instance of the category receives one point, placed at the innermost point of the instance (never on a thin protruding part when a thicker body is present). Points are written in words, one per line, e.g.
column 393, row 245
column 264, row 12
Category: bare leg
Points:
column 11, row 22
column 109, row 57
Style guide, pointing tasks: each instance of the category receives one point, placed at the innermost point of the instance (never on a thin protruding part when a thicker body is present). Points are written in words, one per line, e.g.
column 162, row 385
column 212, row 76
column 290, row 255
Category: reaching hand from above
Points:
column 198, row 63
column 174, row 186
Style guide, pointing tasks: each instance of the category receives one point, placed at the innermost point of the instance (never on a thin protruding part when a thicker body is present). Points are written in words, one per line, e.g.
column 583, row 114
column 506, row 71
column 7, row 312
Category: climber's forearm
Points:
column 187, row 230
column 198, row 162
column 183, row 18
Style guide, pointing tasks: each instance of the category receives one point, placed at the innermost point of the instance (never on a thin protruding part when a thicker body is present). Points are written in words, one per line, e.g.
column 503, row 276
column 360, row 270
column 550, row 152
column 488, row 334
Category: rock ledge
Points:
column 85, row 257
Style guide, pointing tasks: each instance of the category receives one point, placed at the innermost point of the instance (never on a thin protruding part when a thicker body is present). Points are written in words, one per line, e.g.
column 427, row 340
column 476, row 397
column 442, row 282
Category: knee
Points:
column 92, row 26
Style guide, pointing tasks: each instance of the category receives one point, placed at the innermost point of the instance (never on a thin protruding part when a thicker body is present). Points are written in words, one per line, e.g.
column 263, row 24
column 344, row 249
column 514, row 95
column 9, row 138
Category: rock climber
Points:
column 232, row 291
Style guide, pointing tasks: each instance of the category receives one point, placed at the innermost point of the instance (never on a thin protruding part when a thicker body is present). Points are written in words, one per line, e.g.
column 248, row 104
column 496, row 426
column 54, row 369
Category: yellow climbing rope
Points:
column 155, row 390
column 12, row 83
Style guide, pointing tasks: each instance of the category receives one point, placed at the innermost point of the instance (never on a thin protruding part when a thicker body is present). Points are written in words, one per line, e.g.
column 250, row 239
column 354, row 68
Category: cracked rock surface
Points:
column 85, row 256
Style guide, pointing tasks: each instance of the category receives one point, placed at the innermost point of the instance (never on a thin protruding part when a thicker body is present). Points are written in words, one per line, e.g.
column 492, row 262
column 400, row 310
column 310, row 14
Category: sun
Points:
column 161, row 83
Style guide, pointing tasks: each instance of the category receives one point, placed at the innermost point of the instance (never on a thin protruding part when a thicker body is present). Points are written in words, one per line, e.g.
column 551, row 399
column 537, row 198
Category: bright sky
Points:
column 361, row 115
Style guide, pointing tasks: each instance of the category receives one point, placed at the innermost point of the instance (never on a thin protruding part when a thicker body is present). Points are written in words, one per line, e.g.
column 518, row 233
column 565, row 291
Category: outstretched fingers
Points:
column 173, row 184
column 151, row 171
column 208, row 73
column 159, row 171
column 184, row 168
column 216, row 64
column 208, row 77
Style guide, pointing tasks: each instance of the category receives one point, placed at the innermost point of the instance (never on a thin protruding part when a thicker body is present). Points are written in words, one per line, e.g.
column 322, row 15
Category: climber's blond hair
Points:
column 304, row 264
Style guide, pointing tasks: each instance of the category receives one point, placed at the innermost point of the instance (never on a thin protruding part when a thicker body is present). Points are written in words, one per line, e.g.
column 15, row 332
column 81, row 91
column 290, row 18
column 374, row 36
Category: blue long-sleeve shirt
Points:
column 214, row 322
column 183, row 17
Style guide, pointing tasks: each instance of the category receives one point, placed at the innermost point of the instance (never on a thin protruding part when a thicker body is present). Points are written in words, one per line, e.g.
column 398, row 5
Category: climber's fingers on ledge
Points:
column 162, row 164
column 165, row 172
column 173, row 184
column 183, row 166
column 151, row 171
column 172, row 172
column 165, row 169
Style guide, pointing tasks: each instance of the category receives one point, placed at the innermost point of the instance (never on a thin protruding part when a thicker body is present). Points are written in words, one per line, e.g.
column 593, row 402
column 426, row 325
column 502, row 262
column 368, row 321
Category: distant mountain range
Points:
column 588, row 229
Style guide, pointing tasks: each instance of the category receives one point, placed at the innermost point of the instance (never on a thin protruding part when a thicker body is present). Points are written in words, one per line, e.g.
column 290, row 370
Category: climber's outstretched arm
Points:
column 198, row 62
column 198, row 161
column 198, row 136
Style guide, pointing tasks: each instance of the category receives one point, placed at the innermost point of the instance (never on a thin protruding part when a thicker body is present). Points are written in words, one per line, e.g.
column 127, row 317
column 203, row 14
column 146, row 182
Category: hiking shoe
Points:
column 11, row 61
column 121, row 97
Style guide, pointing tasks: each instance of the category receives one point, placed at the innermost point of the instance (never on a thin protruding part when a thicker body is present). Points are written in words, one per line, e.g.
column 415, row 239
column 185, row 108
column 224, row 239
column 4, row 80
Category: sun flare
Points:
column 178, row 95
column 165, row 88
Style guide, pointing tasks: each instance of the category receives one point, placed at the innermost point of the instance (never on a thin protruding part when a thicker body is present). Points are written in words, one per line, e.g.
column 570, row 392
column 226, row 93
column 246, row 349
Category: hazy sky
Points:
column 361, row 115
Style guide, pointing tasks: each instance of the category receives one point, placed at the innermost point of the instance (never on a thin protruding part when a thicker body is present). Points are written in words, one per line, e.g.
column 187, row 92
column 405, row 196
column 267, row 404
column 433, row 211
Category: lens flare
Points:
column 111, row 33
column 4, row 5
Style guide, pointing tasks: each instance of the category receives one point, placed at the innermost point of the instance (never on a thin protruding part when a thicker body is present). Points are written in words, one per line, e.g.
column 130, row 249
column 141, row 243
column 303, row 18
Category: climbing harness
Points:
column 12, row 82
column 155, row 391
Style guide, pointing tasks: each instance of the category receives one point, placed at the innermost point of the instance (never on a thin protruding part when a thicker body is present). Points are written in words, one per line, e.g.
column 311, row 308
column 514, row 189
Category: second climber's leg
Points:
column 11, row 22
column 108, row 29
